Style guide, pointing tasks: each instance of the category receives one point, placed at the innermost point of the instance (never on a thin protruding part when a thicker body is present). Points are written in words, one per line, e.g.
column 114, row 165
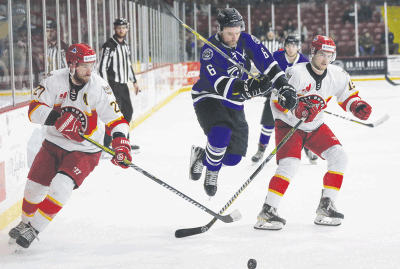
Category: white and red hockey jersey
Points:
column 317, row 89
column 94, row 101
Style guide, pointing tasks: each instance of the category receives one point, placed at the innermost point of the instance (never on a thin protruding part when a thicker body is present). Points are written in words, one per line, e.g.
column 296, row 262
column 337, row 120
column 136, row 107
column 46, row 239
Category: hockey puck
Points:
column 252, row 264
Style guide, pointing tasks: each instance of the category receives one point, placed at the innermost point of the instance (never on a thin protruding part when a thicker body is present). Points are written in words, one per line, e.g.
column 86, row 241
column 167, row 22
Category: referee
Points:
column 52, row 47
column 116, row 68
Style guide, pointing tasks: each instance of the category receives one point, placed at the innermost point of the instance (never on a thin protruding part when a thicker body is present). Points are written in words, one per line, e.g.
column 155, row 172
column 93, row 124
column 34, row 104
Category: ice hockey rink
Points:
column 122, row 219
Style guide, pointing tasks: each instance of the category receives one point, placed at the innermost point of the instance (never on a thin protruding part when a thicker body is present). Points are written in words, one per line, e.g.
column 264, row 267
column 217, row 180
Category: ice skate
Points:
column 260, row 153
column 311, row 156
column 15, row 232
column 327, row 213
column 27, row 236
column 135, row 149
column 210, row 183
column 268, row 219
column 196, row 163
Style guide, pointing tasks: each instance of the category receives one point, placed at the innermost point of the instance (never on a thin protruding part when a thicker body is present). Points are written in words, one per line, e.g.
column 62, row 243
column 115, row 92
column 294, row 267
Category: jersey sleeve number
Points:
column 40, row 89
column 265, row 53
column 211, row 70
column 115, row 105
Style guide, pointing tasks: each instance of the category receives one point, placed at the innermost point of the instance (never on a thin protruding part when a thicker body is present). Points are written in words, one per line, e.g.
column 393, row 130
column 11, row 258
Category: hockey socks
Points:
column 266, row 132
column 33, row 195
column 60, row 190
column 332, row 183
column 218, row 140
column 277, row 188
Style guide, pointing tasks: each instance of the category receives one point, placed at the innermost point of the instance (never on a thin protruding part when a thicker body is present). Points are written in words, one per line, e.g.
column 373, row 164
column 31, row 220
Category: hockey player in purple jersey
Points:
column 287, row 57
column 219, row 94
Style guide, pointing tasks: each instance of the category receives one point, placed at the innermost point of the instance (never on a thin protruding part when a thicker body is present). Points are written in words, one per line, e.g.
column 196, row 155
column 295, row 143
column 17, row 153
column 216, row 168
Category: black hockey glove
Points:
column 251, row 87
column 290, row 95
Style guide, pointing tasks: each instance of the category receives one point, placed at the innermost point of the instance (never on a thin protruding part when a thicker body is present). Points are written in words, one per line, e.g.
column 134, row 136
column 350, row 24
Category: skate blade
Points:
column 327, row 221
column 264, row 225
column 13, row 245
column 254, row 163
column 191, row 162
column 135, row 151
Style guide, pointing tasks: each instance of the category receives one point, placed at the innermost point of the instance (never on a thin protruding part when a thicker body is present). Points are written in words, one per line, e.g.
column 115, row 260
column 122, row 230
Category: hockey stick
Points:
column 234, row 216
column 376, row 123
column 198, row 230
column 220, row 51
column 391, row 81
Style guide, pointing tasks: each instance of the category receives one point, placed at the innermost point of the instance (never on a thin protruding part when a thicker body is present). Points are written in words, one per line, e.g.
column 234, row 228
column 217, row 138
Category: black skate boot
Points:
column 196, row 163
column 268, row 219
column 27, row 236
column 260, row 153
column 15, row 232
column 327, row 213
column 210, row 182
column 311, row 156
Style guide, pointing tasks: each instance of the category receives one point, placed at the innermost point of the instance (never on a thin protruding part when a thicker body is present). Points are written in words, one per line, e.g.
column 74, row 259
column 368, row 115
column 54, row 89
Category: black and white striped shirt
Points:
column 52, row 58
column 115, row 64
column 272, row 45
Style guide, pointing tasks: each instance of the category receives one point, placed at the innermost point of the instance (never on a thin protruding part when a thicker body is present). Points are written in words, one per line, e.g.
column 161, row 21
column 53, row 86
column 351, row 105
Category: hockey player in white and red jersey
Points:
column 315, row 83
column 69, row 102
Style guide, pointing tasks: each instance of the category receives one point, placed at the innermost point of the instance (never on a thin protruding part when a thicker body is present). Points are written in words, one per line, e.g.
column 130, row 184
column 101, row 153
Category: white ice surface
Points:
column 122, row 219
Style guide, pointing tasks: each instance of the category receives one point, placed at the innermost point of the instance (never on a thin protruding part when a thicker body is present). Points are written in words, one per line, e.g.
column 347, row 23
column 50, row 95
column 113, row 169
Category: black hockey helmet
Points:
column 230, row 17
column 121, row 21
column 292, row 39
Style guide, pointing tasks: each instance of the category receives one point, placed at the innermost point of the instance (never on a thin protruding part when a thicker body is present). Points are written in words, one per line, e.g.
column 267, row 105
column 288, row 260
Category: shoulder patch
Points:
column 107, row 89
column 255, row 39
column 207, row 54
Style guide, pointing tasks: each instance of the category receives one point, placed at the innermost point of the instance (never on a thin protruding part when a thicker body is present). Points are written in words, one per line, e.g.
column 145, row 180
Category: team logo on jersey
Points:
column 63, row 96
column 255, row 39
column 235, row 72
column 207, row 54
column 107, row 89
column 306, row 89
column 77, row 113
column 316, row 100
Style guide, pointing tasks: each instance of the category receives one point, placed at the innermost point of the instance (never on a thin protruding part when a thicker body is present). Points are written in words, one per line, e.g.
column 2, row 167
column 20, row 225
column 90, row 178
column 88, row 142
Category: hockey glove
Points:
column 69, row 126
column 290, row 95
column 122, row 150
column 252, row 87
column 361, row 109
column 304, row 111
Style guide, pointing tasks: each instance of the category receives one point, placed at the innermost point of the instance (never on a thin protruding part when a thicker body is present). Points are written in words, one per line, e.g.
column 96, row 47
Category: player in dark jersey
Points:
column 287, row 57
column 219, row 94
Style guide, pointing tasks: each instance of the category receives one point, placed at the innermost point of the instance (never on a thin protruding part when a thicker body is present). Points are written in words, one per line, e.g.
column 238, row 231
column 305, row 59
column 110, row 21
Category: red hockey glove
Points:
column 69, row 126
column 303, row 110
column 122, row 150
column 361, row 109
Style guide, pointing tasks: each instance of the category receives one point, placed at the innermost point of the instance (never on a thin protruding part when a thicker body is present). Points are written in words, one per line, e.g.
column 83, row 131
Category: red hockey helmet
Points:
column 80, row 53
column 323, row 43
